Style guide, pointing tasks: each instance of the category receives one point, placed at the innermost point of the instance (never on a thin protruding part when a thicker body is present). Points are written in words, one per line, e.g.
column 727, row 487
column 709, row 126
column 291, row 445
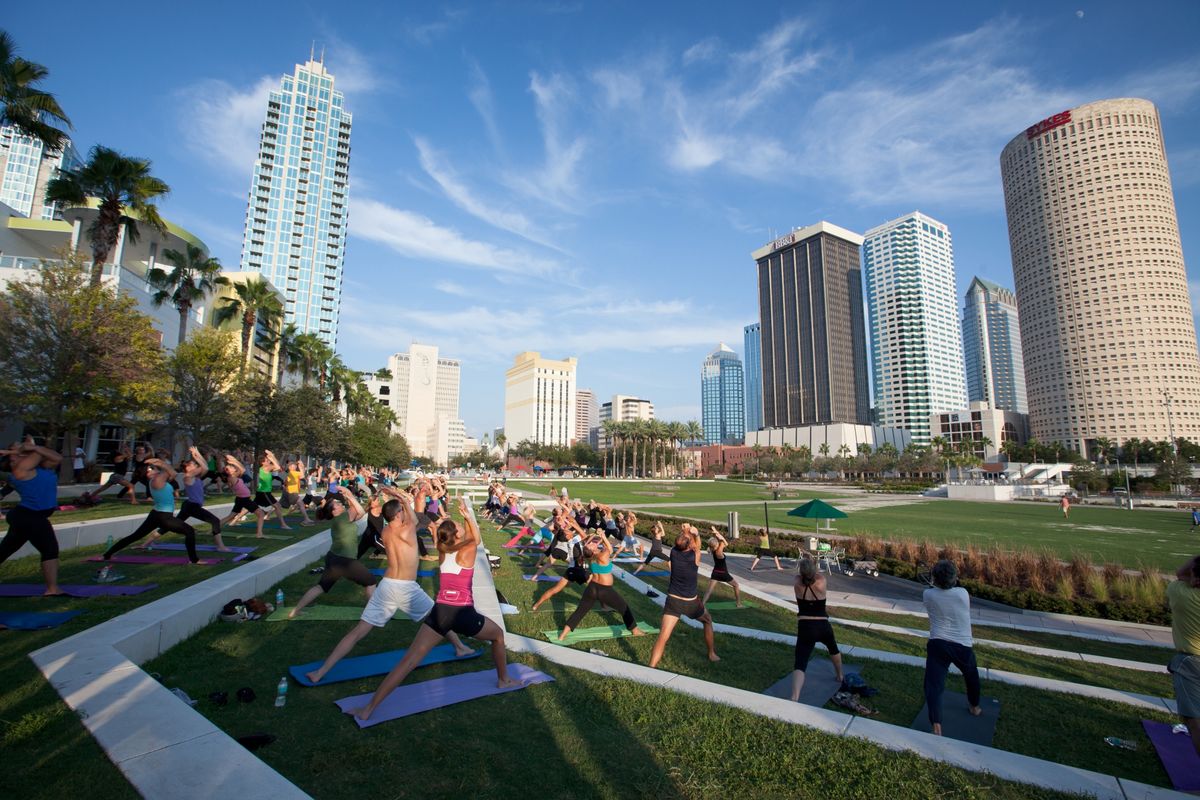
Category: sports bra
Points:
column 810, row 608
column 602, row 569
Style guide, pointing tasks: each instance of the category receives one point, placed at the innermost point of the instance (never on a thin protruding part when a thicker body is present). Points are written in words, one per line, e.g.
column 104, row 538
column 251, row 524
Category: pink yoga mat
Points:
column 413, row 698
column 74, row 590
column 1178, row 756
column 175, row 560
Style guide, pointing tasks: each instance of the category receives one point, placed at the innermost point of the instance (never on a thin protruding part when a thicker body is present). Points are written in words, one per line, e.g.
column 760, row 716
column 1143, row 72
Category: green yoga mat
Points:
column 597, row 634
column 728, row 605
column 277, row 536
column 318, row 613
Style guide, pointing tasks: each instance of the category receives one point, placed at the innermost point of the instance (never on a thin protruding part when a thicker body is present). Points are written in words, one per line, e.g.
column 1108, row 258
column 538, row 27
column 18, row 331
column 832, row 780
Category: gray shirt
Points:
column 949, row 615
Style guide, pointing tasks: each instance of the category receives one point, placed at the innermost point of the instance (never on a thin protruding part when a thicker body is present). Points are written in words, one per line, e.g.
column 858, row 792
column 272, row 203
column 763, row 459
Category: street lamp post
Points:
column 1170, row 425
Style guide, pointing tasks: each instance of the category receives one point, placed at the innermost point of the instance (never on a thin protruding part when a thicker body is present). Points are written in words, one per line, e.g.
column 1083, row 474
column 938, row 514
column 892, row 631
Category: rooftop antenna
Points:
column 312, row 50
column 322, row 55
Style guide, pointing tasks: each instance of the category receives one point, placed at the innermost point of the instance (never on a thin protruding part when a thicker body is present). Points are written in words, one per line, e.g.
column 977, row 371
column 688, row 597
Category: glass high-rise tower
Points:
column 297, row 215
column 916, row 341
column 723, row 409
column 26, row 166
column 752, row 339
column 992, row 347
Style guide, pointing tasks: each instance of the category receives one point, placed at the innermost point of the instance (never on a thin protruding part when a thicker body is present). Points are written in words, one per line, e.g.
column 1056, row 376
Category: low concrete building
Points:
column 833, row 435
column 987, row 426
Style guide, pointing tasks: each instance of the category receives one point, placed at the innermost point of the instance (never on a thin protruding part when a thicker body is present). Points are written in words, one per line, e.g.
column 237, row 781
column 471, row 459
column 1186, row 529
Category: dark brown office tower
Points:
column 814, row 346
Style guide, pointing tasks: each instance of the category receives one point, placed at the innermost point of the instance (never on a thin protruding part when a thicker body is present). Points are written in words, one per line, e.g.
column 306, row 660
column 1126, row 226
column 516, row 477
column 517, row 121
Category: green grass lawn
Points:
column 616, row 492
column 583, row 736
column 109, row 507
column 47, row 752
column 1161, row 539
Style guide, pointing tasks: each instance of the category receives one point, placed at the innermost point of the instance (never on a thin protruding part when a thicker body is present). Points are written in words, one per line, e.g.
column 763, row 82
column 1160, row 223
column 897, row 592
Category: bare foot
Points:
column 223, row 549
column 295, row 612
column 562, row 636
column 363, row 713
column 460, row 652
column 713, row 657
column 638, row 632
column 976, row 711
column 285, row 527
column 937, row 729
column 508, row 683
column 305, row 523
column 195, row 564
column 260, row 536
column 314, row 676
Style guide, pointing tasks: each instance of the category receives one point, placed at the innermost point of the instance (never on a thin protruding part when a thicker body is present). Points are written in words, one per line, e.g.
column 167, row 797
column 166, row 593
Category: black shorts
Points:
column 722, row 575
column 27, row 525
column 432, row 516
column 264, row 499
column 808, row 633
column 577, row 575
column 558, row 553
column 338, row 567
column 463, row 620
column 116, row 479
column 693, row 608
column 763, row 552
column 243, row 504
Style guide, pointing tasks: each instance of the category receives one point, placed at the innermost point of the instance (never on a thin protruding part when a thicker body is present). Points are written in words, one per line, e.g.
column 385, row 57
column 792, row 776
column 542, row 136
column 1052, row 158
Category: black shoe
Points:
column 255, row 740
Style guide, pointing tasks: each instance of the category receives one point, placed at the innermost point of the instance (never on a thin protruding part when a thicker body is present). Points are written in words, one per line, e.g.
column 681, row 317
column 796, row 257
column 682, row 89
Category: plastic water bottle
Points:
column 104, row 572
column 281, row 692
column 279, row 597
column 108, row 543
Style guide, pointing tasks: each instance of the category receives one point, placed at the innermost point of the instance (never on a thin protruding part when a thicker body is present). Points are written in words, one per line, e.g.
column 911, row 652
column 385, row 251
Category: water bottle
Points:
column 279, row 597
column 281, row 692
column 108, row 543
column 104, row 571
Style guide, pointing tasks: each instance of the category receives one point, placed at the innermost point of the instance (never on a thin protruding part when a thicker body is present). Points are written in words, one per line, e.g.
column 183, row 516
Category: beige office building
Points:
column 539, row 400
column 1106, row 321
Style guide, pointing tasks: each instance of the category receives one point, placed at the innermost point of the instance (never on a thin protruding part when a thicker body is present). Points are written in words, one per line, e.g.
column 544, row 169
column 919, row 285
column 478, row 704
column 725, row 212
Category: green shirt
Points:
column 345, row 536
column 764, row 541
column 1185, row 616
column 264, row 480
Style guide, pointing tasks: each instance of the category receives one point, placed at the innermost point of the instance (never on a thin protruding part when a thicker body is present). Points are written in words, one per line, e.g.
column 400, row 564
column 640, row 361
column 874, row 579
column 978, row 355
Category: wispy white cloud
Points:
column 618, row 88
column 221, row 123
column 556, row 181
column 355, row 73
column 704, row 50
column 450, row 287
column 427, row 32
column 480, row 95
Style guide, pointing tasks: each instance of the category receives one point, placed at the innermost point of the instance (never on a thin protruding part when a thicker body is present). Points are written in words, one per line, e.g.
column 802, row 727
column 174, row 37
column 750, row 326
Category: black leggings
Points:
column 606, row 595
column 656, row 552
column 161, row 521
column 190, row 509
column 808, row 633
column 27, row 525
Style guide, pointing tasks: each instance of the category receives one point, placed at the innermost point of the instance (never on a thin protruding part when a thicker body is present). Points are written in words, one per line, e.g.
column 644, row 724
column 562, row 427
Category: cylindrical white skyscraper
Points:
column 1106, row 319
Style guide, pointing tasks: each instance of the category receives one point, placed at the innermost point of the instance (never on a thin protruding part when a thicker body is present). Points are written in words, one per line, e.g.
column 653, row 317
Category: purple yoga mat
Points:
column 173, row 560
column 1178, row 756
column 74, row 590
column 414, row 698
column 202, row 547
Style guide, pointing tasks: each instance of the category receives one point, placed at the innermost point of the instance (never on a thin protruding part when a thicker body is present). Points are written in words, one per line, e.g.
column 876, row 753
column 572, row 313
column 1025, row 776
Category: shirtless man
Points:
column 398, row 590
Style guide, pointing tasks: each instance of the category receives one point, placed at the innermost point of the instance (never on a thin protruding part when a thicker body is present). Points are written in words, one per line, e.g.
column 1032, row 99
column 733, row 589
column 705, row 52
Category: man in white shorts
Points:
column 398, row 591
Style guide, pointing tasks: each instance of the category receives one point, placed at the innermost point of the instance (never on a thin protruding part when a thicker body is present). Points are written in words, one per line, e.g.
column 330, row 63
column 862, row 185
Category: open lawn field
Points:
column 616, row 492
column 1161, row 539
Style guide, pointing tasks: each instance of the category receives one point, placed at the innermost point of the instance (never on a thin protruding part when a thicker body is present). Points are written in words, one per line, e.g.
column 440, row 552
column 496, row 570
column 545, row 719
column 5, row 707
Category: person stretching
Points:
column 720, row 570
column 119, row 477
column 1183, row 595
column 683, row 596
column 162, row 513
column 764, row 551
column 656, row 548
column 291, row 491
column 630, row 541
column 235, row 475
column 398, row 590
column 812, row 624
column 600, row 589
column 35, row 478
column 577, row 571
column 950, row 642
column 454, row 610
column 267, row 465
column 194, row 472
column 340, row 562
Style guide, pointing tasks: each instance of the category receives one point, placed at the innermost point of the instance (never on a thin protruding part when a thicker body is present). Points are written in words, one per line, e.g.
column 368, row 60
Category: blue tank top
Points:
column 194, row 491
column 39, row 493
column 164, row 498
column 602, row 569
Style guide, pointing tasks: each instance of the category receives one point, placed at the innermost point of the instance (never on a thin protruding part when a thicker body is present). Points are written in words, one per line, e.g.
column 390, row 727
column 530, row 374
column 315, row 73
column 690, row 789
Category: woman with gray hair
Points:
column 950, row 642
column 812, row 623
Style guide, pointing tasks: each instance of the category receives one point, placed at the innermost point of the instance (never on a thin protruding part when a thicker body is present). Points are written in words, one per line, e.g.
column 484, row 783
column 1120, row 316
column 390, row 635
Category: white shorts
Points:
column 392, row 595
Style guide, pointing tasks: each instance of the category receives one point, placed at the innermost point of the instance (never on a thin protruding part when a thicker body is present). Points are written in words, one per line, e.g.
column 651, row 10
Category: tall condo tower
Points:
column 423, row 389
column 992, row 347
column 723, row 408
column 916, row 342
column 1106, row 320
column 297, row 215
column 752, row 340
column 814, row 347
column 539, row 400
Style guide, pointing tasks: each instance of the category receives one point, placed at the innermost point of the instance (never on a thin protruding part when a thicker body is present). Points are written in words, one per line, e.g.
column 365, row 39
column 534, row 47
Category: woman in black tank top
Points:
column 720, row 570
column 812, row 623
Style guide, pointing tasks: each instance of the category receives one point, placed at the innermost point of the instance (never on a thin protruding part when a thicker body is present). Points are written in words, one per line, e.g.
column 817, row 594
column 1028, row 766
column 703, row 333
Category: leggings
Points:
column 27, row 525
column 939, row 655
column 656, row 551
column 605, row 595
column 513, row 518
column 163, row 521
column 190, row 509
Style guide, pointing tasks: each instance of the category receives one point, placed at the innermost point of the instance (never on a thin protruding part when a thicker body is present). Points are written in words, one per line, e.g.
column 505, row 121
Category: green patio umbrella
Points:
column 816, row 510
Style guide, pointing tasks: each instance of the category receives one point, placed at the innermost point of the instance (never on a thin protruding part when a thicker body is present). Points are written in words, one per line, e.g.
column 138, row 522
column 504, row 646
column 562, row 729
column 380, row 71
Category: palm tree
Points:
column 23, row 106
column 125, row 190
column 311, row 353
column 383, row 374
column 254, row 300
column 695, row 431
column 608, row 427
column 623, row 433
column 677, row 431
column 194, row 274
column 290, row 359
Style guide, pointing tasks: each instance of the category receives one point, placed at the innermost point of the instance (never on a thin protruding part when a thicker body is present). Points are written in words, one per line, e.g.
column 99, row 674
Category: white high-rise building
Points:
column 297, row 215
column 587, row 414
column 916, row 337
column 25, row 169
column 623, row 408
column 539, row 400
column 423, row 393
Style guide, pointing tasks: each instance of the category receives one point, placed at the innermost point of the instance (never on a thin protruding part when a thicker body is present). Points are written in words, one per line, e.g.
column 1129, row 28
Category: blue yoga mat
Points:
column 35, row 620
column 653, row 573
column 543, row 577
column 421, row 573
column 349, row 669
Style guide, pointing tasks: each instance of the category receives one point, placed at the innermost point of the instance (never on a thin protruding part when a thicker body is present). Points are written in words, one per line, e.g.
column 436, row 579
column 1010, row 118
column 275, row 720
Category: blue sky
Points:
column 589, row 179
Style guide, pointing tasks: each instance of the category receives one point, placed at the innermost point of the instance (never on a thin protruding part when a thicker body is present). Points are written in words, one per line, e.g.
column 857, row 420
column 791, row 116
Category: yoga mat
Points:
column 282, row 537
column 957, row 722
column 320, row 613
column 526, row 547
column 272, row 525
column 35, row 620
column 201, row 547
column 543, row 577
column 74, row 590
column 349, row 669
column 720, row 605
column 421, row 573
column 652, row 573
column 513, row 541
column 1177, row 755
column 820, row 683
column 598, row 634
column 414, row 698
column 173, row 560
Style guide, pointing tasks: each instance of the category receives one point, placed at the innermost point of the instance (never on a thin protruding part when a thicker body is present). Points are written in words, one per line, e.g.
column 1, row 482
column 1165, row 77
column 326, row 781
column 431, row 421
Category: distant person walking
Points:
column 950, row 642
column 1065, row 505
column 77, row 463
column 1183, row 595
column 1195, row 518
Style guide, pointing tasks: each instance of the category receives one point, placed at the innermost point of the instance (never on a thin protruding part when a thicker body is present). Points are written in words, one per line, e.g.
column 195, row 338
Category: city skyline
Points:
column 558, row 197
